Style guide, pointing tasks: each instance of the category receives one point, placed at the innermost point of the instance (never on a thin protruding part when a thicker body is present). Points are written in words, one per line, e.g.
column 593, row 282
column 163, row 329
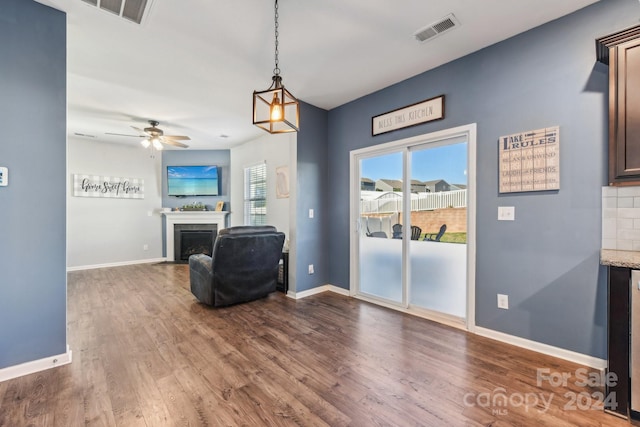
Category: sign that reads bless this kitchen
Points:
column 108, row 186
column 530, row 161
column 422, row 112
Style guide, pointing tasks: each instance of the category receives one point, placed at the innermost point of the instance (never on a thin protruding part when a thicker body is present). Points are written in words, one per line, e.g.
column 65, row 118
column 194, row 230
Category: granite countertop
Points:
column 615, row 258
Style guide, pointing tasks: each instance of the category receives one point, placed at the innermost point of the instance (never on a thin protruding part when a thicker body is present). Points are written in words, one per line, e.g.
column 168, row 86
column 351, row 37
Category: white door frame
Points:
column 469, row 133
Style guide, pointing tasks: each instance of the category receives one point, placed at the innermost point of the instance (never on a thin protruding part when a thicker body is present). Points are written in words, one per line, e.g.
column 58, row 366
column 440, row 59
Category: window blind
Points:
column 255, row 194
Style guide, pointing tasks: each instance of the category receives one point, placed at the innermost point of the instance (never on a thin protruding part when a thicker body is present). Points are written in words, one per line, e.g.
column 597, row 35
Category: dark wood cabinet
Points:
column 621, row 51
column 618, row 339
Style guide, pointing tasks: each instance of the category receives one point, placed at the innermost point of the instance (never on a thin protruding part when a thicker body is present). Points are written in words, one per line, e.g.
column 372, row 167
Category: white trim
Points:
column 34, row 366
column 318, row 290
column 472, row 161
column 538, row 347
column 116, row 264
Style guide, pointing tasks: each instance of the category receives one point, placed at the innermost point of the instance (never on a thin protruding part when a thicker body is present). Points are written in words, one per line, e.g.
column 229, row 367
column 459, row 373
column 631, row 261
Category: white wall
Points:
column 109, row 231
column 275, row 150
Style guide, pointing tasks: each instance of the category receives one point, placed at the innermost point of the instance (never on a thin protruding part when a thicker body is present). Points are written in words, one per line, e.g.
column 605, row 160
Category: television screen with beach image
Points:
column 192, row 180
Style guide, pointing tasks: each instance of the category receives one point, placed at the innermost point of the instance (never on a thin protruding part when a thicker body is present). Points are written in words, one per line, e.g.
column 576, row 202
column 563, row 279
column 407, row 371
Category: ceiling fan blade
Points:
column 174, row 143
column 177, row 137
column 123, row 134
column 139, row 130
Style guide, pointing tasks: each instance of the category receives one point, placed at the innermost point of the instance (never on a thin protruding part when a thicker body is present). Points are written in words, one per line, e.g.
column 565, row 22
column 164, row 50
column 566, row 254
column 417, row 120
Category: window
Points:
column 255, row 194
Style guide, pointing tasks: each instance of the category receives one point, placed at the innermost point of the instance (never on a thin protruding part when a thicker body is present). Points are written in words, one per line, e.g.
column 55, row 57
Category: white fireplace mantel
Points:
column 190, row 217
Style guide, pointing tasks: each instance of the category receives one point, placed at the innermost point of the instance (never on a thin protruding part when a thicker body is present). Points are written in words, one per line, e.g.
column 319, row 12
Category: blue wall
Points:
column 33, row 147
column 311, row 188
column 547, row 260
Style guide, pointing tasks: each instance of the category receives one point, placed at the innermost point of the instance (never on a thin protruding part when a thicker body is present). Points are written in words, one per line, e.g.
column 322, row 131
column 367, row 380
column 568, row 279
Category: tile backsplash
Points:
column 621, row 218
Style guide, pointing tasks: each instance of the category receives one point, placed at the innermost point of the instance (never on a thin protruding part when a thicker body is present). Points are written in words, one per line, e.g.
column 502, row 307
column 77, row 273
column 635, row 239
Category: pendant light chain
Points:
column 276, row 71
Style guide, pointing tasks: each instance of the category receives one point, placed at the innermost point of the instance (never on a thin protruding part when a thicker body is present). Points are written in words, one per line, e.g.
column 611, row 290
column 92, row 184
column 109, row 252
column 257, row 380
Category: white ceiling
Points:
column 193, row 64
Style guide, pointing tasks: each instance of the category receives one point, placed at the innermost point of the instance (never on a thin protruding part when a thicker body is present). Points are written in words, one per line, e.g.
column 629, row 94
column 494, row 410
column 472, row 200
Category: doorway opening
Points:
column 413, row 225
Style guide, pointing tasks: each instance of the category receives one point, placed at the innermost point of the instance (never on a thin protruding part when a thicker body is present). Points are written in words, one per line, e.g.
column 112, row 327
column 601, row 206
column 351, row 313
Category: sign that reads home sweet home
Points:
column 530, row 161
column 107, row 186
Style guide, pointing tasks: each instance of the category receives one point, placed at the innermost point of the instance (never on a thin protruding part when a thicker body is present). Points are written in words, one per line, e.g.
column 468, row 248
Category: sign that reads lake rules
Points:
column 530, row 161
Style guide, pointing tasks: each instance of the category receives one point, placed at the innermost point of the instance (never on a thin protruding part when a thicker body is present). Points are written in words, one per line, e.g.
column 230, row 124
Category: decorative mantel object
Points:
column 415, row 114
column 107, row 186
column 530, row 161
column 195, row 206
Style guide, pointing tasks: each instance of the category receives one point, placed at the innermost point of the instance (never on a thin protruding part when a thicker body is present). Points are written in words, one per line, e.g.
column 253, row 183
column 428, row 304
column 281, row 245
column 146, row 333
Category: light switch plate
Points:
column 503, row 301
column 506, row 213
column 4, row 176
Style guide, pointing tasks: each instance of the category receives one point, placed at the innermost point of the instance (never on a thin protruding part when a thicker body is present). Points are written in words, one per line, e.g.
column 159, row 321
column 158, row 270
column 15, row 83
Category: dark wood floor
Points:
column 145, row 353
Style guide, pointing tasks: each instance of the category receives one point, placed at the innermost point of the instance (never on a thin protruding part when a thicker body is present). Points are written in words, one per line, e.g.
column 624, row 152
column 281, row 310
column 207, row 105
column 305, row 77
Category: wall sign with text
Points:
column 530, row 161
column 107, row 186
column 422, row 112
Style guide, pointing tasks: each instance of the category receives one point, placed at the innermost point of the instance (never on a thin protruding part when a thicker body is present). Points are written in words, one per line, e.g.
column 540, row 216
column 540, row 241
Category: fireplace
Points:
column 191, row 239
column 173, row 218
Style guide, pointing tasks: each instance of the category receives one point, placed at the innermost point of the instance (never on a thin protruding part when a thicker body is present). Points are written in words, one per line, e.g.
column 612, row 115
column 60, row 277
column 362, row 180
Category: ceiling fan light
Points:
column 145, row 143
column 156, row 144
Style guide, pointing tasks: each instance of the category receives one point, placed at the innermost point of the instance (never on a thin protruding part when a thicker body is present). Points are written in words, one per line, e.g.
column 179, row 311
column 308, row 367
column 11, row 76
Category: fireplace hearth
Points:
column 191, row 239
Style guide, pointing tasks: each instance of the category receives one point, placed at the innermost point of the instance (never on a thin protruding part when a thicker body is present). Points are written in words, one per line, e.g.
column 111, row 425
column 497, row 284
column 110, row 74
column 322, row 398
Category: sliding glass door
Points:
column 438, row 257
column 410, row 205
column 380, row 260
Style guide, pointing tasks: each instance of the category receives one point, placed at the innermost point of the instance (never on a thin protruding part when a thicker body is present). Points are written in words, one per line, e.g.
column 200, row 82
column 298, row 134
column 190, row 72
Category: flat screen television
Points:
column 192, row 180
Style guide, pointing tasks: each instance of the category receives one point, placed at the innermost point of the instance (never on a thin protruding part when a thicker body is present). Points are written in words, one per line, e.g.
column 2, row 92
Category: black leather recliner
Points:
column 243, row 266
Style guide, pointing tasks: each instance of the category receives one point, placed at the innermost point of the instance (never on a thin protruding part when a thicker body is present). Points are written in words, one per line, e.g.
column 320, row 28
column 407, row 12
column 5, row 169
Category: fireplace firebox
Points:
column 191, row 239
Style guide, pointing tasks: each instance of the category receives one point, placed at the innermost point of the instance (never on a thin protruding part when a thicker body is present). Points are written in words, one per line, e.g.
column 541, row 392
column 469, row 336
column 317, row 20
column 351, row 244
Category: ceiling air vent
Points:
column 131, row 10
column 433, row 30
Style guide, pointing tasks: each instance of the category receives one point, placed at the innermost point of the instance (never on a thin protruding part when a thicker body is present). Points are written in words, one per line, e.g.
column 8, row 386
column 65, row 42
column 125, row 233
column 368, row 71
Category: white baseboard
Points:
column 116, row 264
column 35, row 366
column 549, row 350
column 318, row 290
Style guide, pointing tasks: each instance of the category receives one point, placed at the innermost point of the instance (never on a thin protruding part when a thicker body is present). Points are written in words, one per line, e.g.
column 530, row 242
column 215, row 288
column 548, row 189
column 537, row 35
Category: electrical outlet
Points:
column 145, row 247
column 503, row 301
column 310, row 213
column 310, row 268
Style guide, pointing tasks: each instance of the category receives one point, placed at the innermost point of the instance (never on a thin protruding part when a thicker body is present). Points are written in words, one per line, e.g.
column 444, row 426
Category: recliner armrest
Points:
column 200, row 276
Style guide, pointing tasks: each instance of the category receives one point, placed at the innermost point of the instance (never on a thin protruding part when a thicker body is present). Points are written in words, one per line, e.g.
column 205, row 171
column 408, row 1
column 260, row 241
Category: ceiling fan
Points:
column 154, row 136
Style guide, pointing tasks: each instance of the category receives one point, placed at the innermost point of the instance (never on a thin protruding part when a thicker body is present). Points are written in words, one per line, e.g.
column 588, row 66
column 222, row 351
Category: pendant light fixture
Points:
column 275, row 109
